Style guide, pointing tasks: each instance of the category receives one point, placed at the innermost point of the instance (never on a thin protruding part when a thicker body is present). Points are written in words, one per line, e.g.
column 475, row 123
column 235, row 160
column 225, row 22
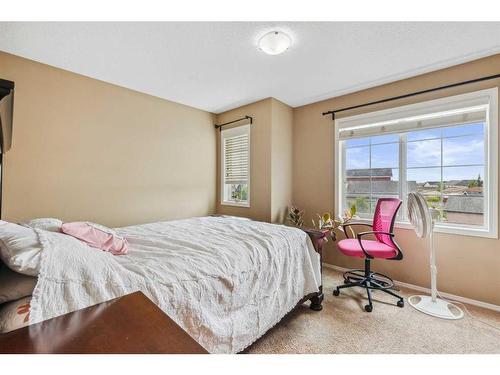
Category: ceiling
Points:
column 216, row 66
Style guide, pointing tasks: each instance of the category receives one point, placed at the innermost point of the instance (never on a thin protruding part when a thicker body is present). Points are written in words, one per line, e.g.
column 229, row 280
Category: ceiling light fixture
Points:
column 275, row 42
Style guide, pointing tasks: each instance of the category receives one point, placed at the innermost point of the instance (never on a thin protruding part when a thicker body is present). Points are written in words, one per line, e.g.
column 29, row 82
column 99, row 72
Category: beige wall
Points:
column 468, row 266
column 87, row 150
column 271, row 138
column 281, row 160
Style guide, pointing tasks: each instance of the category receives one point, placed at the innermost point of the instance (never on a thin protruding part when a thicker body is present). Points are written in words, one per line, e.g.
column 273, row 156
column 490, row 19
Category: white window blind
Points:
column 236, row 153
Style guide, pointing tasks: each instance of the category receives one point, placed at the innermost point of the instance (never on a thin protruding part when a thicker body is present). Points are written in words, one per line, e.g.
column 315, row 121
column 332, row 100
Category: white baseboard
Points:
column 417, row 288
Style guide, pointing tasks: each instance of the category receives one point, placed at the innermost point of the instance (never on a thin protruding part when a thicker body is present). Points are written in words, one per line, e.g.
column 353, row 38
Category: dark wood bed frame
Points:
column 318, row 238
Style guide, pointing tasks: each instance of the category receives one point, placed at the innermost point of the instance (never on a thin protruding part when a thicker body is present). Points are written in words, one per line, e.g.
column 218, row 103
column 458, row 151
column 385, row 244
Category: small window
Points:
column 235, row 153
column 444, row 149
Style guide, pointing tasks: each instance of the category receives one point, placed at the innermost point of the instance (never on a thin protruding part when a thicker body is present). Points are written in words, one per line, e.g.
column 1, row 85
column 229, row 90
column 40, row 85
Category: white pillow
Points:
column 20, row 248
column 14, row 285
column 46, row 223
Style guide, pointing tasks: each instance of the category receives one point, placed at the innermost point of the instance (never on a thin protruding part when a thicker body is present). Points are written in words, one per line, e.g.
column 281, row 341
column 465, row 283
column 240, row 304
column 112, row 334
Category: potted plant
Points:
column 296, row 218
column 326, row 221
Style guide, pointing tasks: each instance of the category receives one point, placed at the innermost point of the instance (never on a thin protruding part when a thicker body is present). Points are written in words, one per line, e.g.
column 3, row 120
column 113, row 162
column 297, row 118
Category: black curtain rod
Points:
column 232, row 122
column 411, row 94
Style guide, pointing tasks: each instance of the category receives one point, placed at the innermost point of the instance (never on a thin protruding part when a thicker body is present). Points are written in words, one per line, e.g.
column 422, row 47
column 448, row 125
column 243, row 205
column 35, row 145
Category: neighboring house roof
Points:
column 475, row 190
column 465, row 204
column 375, row 172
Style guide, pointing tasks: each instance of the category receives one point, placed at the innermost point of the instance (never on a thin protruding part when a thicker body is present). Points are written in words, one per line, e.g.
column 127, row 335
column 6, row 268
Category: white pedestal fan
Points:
column 422, row 219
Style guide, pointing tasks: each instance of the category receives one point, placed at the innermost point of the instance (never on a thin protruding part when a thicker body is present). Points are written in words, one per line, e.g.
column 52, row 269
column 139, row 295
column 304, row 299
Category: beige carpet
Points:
column 344, row 327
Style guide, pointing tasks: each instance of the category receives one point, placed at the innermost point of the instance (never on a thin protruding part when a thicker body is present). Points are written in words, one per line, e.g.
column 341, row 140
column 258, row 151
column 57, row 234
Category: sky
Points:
column 462, row 154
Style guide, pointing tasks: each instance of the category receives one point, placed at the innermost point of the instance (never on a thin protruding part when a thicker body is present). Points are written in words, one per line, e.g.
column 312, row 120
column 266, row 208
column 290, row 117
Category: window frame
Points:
column 227, row 133
column 486, row 96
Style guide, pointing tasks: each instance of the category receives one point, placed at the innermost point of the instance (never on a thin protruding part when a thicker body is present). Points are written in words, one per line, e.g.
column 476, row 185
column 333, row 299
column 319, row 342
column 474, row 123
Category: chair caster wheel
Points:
column 336, row 292
column 368, row 308
column 401, row 303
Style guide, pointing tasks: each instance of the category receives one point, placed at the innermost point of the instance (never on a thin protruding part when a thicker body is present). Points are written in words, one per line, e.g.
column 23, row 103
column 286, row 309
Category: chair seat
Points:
column 350, row 247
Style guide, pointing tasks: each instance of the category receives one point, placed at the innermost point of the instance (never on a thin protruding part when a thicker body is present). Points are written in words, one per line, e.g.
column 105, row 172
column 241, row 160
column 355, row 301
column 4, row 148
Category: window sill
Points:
column 443, row 228
column 236, row 204
column 465, row 231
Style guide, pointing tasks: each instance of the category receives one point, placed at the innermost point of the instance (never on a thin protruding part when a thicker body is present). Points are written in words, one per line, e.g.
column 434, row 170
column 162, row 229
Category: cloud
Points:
column 461, row 151
column 357, row 158
column 456, row 151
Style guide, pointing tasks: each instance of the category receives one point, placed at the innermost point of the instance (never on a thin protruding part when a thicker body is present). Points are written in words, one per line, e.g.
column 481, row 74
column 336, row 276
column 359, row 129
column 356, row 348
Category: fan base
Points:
column 438, row 308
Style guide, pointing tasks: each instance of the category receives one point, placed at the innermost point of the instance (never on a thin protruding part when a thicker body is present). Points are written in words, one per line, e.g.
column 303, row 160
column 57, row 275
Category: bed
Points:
column 225, row 280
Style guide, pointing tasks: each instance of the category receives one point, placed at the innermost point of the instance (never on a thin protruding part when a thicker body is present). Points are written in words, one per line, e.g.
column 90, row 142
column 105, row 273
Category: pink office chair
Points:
column 383, row 247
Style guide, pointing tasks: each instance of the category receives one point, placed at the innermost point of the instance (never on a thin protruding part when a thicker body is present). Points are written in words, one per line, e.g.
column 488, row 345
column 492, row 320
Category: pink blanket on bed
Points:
column 97, row 236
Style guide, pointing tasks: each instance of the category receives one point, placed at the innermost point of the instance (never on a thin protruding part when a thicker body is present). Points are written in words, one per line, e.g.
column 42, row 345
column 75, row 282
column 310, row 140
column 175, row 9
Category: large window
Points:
column 445, row 149
column 235, row 143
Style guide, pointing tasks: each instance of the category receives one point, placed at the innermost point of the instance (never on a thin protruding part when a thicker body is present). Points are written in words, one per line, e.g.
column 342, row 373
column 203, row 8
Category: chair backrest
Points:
column 384, row 218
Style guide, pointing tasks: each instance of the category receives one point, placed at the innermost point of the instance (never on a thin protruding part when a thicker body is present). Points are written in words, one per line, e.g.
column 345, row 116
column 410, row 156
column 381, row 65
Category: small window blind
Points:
column 236, row 155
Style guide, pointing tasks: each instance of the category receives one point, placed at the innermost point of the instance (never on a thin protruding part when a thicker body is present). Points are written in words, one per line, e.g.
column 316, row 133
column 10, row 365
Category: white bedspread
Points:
column 225, row 280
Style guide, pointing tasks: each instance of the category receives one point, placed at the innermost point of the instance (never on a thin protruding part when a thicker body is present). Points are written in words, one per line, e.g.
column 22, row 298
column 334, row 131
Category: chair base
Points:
column 369, row 281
